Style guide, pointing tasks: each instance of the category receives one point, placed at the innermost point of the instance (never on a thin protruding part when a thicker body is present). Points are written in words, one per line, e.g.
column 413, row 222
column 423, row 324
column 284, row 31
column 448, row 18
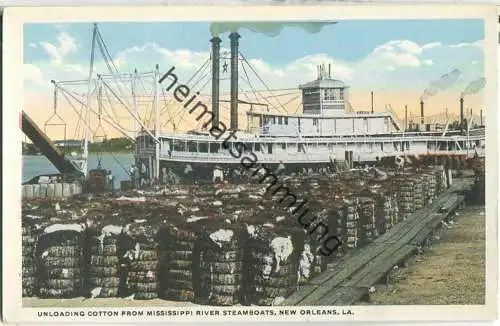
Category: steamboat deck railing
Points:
column 413, row 137
column 291, row 158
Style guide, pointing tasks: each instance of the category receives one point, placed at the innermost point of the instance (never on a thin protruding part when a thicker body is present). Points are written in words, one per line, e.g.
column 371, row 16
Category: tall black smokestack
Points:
column 215, row 79
column 406, row 117
column 422, row 111
column 234, row 79
column 372, row 100
column 461, row 110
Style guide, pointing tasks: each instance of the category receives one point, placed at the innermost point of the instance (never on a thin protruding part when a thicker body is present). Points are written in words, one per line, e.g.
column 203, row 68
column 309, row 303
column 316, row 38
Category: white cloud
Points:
column 66, row 45
column 431, row 45
column 402, row 53
column 180, row 58
column 397, row 63
column 33, row 45
column 478, row 44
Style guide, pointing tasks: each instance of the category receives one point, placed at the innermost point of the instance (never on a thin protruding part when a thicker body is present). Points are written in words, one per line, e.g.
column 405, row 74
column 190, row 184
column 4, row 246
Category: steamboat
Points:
column 326, row 131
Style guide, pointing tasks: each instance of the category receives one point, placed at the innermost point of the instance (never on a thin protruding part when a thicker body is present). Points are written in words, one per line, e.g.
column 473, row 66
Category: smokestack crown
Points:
column 234, row 36
column 215, row 39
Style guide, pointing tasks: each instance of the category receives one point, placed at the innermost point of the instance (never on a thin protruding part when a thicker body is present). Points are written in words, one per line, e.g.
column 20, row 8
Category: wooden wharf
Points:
column 352, row 276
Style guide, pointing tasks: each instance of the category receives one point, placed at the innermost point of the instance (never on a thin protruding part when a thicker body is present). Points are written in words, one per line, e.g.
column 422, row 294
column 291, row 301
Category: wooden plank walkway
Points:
column 356, row 272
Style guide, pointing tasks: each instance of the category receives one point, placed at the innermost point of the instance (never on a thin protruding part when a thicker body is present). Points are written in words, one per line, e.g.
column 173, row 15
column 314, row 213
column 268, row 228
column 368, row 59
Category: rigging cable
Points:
column 130, row 112
column 251, row 87
column 75, row 109
column 262, row 81
column 91, row 110
column 111, row 118
column 107, row 58
column 202, row 67
column 184, row 111
column 256, row 92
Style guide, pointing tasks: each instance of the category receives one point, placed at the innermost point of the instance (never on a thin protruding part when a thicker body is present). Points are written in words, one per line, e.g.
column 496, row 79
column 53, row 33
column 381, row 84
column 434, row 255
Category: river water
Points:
column 119, row 164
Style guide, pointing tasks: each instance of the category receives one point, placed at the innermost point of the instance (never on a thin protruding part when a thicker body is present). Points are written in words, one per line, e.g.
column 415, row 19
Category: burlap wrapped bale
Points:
column 103, row 274
column 406, row 202
column 380, row 200
column 300, row 222
column 367, row 219
column 440, row 183
column 337, row 223
column 221, row 265
column 429, row 187
column 418, row 193
column 388, row 210
column 353, row 225
column 59, row 252
column 310, row 239
column 272, row 264
column 29, row 263
column 142, row 269
column 180, row 259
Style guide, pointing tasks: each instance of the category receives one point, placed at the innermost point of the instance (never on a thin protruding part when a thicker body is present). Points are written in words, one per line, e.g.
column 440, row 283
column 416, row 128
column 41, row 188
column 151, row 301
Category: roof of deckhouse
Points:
column 324, row 83
column 347, row 115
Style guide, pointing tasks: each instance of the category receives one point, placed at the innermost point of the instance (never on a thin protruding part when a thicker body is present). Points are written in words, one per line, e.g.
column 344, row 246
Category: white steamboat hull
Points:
column 196, row 158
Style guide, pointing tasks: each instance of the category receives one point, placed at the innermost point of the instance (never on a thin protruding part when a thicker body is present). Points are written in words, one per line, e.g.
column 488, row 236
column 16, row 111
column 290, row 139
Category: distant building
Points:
column 68, row 143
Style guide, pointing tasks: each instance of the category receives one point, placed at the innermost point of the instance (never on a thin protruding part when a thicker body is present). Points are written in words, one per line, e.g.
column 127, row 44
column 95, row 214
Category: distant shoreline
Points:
column 124, row 151
column 114, row 145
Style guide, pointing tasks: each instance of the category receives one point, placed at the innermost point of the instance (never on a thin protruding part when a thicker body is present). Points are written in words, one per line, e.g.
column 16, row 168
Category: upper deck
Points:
column 321, row 125
column 325, row 112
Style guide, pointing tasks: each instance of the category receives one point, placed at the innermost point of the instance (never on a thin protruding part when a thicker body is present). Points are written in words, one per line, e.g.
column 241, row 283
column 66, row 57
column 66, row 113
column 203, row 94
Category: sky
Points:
column 397, row 59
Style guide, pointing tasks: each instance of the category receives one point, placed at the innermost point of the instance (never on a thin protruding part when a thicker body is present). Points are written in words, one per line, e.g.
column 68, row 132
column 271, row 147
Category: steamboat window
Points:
column 257, row 147
column 333, row 94
column 214, row 147
column 286, row 120
column 300, row 148
column 273, row 119
column 203, row 147
column 191, row 146
column 178, row 145
column 270, row 148
column 315, row 122
column 280, row 120
column 247, row 147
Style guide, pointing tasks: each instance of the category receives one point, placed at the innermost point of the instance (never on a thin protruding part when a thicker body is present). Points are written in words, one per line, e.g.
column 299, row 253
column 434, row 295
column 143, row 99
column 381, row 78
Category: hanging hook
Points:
column 55, row 115
column 99, row 128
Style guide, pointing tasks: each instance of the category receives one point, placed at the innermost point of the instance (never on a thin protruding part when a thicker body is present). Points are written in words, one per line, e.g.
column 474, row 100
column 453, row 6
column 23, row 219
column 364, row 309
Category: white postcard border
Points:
column 12, row 136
